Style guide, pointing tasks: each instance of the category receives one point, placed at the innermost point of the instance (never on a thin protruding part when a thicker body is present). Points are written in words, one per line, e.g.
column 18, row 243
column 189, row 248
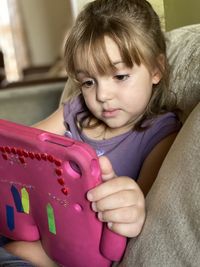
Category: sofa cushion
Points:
column 183, row 49
column 171, row 235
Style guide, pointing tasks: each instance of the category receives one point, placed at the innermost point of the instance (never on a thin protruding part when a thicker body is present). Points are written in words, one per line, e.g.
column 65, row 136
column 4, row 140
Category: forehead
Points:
column 98, row 57
column 112, row 50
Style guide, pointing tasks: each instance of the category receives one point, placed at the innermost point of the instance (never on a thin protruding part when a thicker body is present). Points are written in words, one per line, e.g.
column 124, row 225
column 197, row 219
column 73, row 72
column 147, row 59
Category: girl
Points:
column 120, row 104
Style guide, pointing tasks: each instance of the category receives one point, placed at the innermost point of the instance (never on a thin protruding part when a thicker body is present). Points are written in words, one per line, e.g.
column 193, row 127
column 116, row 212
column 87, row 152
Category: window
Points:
column 12, row 39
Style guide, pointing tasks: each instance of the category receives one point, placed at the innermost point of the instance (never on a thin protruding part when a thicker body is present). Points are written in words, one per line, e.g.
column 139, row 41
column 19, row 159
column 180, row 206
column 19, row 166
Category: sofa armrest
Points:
column 171, row 235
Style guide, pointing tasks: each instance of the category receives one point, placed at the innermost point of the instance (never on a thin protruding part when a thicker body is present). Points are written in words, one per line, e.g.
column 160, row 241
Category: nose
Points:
column 104, row 91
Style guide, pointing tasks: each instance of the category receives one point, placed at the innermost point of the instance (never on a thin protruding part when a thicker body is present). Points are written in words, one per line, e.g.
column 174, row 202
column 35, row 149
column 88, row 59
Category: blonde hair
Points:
column 135, row 27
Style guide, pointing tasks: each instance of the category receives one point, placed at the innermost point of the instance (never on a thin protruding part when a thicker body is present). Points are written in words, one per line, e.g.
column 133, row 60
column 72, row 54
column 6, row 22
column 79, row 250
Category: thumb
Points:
column 107, row 171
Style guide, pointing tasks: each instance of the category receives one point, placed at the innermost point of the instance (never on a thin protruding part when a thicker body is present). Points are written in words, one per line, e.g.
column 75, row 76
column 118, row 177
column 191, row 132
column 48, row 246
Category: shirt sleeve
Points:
column 71, row 108
column 66, row 110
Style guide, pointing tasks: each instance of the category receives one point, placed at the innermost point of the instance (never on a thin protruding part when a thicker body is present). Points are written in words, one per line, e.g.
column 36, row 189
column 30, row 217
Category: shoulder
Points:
column 167, row 122
column 73, row 106
column 160, row 127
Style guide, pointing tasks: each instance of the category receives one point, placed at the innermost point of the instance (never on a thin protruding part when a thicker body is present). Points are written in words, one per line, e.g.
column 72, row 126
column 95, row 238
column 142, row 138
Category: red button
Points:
column 5, row 156
column 14, row 150
column 7, row 149
column 37, row 155
column 31, row 155
column 61, row 181
column 2, row 149
column 58, row 162
column 59, row 172
column 44, row 156
column 65, row 190
column 25, row 153
column 19, row 152
column 22, row 160
column 50, row 158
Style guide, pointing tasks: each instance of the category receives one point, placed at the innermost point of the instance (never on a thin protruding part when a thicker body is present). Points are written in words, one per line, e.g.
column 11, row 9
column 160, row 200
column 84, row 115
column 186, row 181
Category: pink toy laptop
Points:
column 44, row 179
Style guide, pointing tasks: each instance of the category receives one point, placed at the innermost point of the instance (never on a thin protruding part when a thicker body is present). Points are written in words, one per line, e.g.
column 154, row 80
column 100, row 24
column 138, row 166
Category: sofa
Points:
column 171, row 233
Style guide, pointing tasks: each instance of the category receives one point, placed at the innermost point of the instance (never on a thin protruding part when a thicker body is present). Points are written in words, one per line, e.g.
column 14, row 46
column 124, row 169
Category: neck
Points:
column 103, row 132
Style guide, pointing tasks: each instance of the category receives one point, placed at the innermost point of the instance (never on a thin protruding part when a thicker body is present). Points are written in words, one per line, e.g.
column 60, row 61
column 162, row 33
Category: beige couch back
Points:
column 183, row 48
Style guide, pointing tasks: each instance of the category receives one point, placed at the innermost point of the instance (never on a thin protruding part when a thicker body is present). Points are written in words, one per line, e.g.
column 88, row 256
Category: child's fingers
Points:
column 127, row 229
column 111, row 187
column 107, row 171
column 122, row 215
column 120, row 199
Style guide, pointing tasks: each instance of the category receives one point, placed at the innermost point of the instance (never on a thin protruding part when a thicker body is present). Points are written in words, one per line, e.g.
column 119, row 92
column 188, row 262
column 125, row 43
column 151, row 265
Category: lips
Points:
column 110, row 113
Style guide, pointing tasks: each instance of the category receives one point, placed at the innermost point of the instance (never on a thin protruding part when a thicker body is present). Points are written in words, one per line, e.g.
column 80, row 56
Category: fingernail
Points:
column 94, row 207
column 110, row 224
column 89, row 196
column 100, row 216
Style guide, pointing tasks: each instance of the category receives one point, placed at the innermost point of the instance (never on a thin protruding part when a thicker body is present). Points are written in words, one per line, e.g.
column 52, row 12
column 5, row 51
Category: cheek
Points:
column 89, row 99
column 138, row 98
column 88, row 96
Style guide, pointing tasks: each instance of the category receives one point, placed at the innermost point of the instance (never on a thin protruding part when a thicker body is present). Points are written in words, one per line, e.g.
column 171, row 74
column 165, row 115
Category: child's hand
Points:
column 119, row 201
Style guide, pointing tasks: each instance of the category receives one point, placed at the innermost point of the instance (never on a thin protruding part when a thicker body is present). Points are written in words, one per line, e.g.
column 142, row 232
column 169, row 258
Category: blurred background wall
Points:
column 181, row 12
column 45, row 22
column 173, row 13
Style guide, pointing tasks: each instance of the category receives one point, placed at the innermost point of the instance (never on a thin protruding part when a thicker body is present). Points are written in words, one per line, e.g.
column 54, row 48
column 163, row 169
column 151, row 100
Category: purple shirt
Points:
column 127, row 151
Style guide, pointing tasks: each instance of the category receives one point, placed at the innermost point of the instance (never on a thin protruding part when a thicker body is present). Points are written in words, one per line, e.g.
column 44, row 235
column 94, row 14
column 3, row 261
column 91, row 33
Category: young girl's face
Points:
column 118, row 99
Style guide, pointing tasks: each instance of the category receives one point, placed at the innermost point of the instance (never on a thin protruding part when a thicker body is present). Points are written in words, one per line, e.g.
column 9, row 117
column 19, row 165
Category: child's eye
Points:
column 88, row 83
column 121, row 77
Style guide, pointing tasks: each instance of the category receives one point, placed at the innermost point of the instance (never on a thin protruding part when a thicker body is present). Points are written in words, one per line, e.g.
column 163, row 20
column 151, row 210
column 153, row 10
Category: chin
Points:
column 114, row 125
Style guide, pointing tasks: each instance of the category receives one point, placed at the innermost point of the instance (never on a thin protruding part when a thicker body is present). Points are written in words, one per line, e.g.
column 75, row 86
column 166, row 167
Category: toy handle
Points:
column 112, row 245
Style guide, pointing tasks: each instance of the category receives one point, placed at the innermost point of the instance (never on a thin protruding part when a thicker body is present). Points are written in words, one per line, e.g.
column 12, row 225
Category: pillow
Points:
column 183, row 50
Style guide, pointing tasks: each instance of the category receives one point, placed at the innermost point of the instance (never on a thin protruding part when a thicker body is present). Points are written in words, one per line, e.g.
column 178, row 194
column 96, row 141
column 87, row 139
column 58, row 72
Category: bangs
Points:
column 87, row 51
column 92, row 56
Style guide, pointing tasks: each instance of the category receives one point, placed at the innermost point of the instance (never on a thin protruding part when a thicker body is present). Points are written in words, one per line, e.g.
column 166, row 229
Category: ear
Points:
column 156, row 77
column 159, row 69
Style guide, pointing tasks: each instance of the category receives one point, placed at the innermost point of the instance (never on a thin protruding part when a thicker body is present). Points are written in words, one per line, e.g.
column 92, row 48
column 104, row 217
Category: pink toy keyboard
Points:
column 44, row 179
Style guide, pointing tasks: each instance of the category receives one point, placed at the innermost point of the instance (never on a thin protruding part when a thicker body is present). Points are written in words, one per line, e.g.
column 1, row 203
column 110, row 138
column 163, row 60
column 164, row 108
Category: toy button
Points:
column 25, row 153
column 5, row 156
column 58, row 162
column 14, row 150
column 44, row 156
column 78, row 207
column 65, row 190
column 2, row 149
column 50, row 158
column 61, row 181
column 59, row 172
column 19, row 152
column 37, row 156
column 31, row 155
column 22, row 160
column 7, row 149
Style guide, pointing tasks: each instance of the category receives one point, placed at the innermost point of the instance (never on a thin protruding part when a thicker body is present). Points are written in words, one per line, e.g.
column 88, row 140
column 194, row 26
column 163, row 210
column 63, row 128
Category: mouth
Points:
column 110, row 113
